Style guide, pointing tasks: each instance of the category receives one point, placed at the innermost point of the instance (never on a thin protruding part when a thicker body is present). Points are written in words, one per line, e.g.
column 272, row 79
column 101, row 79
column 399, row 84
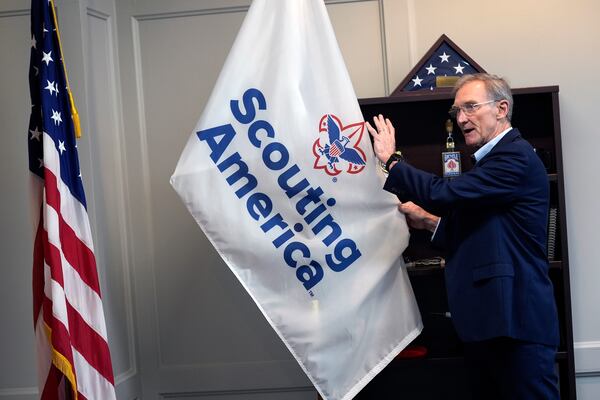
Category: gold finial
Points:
column 449, row 139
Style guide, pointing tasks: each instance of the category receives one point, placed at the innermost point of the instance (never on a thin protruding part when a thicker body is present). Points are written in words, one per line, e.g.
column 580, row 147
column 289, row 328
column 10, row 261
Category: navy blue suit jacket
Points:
column 493, row 227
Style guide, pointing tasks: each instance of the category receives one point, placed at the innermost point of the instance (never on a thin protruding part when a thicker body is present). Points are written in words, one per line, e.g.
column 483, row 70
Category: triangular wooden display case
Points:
column 441, row 44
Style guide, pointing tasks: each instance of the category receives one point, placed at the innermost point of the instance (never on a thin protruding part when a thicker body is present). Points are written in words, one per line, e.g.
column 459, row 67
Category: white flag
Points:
column 280, row 175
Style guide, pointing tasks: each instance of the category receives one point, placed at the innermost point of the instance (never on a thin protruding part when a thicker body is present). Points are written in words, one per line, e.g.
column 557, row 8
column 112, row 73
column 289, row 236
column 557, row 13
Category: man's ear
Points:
column 502, row 109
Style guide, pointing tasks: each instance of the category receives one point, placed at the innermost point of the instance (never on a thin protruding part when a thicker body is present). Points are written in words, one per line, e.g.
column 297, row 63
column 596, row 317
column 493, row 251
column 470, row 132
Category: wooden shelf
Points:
column 556, row 264
column 560, row 356
column 436, row 269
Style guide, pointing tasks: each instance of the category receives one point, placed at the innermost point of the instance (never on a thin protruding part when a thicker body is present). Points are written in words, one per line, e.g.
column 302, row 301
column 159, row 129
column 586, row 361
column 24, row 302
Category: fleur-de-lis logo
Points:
column 336, row 147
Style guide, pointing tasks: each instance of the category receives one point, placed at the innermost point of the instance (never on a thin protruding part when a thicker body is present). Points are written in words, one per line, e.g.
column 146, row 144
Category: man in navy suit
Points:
column 492, row 221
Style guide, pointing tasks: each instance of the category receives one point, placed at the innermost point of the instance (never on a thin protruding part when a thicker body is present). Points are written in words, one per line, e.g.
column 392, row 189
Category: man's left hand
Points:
column 417, row 217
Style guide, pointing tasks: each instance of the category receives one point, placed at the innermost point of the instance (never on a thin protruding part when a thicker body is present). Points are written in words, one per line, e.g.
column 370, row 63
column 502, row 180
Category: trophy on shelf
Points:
column 450, row 157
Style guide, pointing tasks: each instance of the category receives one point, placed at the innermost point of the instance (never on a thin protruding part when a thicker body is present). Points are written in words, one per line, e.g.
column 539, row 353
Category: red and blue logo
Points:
column 336, row 149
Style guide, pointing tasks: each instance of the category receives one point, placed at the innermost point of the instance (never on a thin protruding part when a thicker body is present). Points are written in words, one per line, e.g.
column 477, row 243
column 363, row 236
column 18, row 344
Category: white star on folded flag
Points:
column 417, row 81
column 444, row 62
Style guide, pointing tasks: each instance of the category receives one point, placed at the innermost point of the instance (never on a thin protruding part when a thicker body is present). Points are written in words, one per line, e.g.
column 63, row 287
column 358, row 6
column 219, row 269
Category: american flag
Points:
column 72, row 346
column 445, row 62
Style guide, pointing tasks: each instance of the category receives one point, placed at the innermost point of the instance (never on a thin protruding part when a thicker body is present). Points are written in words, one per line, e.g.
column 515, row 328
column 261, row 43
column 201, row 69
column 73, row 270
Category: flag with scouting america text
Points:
column 280, row 175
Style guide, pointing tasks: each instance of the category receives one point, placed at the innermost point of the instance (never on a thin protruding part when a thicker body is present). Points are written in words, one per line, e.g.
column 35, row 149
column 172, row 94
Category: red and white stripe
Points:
column 68, row 314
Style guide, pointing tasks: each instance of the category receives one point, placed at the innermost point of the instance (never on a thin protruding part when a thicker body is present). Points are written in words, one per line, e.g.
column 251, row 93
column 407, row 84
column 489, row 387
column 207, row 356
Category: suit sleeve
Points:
column 493, row 182
column 439, row 236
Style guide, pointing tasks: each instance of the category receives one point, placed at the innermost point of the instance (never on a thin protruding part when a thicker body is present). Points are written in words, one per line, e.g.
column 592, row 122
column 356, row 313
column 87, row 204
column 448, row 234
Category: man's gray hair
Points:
column 497, row 88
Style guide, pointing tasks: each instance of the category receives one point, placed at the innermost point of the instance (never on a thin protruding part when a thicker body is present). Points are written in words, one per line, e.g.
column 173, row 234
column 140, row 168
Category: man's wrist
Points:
column 432, row 222
column 393, row 160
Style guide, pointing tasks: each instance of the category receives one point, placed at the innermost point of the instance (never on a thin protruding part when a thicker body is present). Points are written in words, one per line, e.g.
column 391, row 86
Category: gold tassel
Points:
column 75, row 116
column 74, row 113
column 61, row 362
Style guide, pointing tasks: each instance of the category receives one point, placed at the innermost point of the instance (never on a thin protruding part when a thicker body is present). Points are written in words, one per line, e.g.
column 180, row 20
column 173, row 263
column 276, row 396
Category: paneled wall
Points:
column 180, row 325
column 207, row 337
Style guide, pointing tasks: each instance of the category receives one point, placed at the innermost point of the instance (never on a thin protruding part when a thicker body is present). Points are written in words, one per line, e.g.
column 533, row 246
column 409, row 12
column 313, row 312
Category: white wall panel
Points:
column 209, row 336
column 208, row 333
column 200, row 306
column 588, row 388
column 358, row 29
column 399, row 39
column 106, row 181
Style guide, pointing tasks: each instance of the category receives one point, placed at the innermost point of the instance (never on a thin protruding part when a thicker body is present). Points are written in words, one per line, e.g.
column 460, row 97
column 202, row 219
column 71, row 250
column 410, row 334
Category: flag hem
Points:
column 364, row 380
column 382, row 364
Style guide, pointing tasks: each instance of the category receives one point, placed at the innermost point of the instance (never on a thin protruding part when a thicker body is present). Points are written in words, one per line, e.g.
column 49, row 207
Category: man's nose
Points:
column 461, row 117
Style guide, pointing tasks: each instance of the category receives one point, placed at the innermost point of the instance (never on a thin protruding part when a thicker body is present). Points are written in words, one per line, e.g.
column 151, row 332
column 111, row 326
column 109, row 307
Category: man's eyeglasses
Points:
column 469, row 108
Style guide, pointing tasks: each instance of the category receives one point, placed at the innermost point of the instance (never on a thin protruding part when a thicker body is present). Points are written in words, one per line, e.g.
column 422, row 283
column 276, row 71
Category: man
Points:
column 492, row 222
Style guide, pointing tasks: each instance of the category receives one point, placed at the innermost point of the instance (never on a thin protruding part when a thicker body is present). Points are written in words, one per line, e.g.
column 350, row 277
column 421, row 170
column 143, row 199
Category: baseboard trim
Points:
column 22, row 391
column 587, row 359
column 239, row 392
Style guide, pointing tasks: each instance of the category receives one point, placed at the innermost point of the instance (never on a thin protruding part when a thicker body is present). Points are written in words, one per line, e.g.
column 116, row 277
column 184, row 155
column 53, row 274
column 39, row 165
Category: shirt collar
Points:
column 486, row 148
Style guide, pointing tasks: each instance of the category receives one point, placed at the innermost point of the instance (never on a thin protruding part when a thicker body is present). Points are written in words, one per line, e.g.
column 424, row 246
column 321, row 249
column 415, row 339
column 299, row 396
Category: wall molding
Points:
column 191, row 13
column 20, row 391
column 33, row 390
column 224, row 10
column 125, row 376
column 14, row 13
column 98, row 14
column 412, row 31
column 120, row 180
column 136, row 21
column 237, row 392
column 137, row 18
column 384, row 47
column 146, row 184
column 587, row 359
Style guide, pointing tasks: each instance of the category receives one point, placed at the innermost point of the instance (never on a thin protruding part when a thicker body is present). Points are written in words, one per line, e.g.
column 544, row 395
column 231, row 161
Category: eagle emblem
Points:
column 336, row 148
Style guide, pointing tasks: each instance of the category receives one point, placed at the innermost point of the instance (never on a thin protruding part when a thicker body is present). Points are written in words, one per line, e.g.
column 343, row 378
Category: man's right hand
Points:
column 384, row 137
